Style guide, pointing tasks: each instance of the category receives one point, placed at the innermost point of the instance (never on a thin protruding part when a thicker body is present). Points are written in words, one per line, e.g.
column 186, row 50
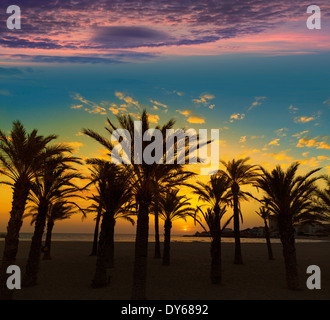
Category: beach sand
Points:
column 68, row 275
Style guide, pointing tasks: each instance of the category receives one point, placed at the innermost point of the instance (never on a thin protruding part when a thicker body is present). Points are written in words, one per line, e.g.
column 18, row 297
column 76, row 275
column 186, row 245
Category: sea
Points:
column 88, row 237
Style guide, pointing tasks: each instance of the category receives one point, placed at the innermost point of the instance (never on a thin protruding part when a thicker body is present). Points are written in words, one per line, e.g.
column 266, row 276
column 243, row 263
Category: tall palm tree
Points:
column 172, row 207
column 95, row 207
column 55, row 182
column 148, row 180
column 157, row 254
column 289, row 196
column 264, row 213
column 115, row 192
column 240, row 173
column 215, row 194
column 21, row 158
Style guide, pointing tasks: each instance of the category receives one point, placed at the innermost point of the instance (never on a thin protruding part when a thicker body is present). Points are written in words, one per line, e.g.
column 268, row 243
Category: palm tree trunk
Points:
column 141, row 253
column 167, row 242
column 215, row 275
column 238, row 254
column 100, row 276
column 48, row 242
column 269, row 245
column 111, row 249
column 157, row 242
column 32, row 266
column 286, row 230
column 20, row 194
column 96, row 231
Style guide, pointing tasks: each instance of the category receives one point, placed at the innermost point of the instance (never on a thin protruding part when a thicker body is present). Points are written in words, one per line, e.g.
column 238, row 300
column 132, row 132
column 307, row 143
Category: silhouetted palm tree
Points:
column 148, row 180
column 240, row 173
column 289, row 196
column 215, row 194
column 58, row 211
column 115, row 191
column 21, row 158
column 323, row 200
column 172, row 207
column 95, row 207
column 264, row 213
column 55, row 182
column 157, row 254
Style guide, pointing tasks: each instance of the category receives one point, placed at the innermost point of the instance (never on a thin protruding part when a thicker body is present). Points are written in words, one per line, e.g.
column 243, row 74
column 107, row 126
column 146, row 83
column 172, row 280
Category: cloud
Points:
column 98, row 25
column 191, row 118
column 323, row 158
column 327, row 102
column 298, row 135
column 242, row 139
column 76, row 106
column 281, row 132
column 74, row 145
column 258, row 101
column 204, row 98
column 293, row 109
column 313, row 143
column 236, row 116
column 87, row 105
column 128, row 36
column 184, row 112
column 196, row 119
column 153, row 118
column 303, row 119
column 274, row 142
column 158, row 104
column 280, row 156
column 257, row 137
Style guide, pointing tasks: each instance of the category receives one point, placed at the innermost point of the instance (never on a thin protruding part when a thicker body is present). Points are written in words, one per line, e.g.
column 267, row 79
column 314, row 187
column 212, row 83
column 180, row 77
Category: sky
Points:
column 251, row 69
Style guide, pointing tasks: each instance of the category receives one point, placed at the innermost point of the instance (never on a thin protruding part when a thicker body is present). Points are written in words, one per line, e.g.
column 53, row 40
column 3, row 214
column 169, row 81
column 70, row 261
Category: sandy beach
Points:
column 68, row 275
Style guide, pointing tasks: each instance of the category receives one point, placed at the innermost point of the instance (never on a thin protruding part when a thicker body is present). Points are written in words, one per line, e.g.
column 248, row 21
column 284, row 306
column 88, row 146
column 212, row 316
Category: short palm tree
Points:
column 215, row 194
column 264, row 213
column 323, row 200
column 21, row 158
column 288, row 197
column 55, row 182
column 240, row 173
column 58, row 211
column 172, row 207
column 147, row 180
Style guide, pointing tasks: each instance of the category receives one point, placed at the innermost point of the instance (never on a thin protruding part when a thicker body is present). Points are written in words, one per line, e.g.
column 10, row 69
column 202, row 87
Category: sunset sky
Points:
column 249, row 68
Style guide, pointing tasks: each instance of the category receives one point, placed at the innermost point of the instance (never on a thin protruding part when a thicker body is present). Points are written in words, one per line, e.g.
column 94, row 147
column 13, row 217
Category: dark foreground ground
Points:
column 68, row 275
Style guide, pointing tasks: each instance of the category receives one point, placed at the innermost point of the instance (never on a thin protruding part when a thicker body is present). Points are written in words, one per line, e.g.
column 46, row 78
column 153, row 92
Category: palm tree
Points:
column 147, row 179
column 323, row 200
column 264, row 213
column 115, row 193
column 21, row 158
column 289, row 196
column 240, row 173
column 215, row 194
column 95, row 207
column 54, row 183
column 157, row 254
column 172, row 207
column 60, row 210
